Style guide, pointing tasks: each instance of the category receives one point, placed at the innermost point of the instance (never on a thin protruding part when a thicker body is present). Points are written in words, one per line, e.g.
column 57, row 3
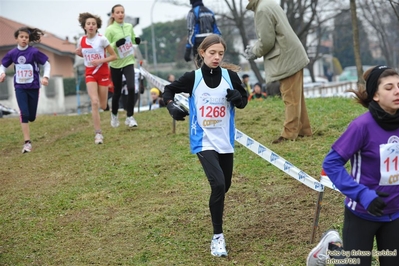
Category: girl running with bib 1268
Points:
column 27, row 82
column 93, row 47
column 214, row 91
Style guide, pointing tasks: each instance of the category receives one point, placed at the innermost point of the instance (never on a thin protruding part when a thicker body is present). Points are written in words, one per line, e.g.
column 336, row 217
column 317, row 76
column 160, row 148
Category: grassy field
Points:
column 141, row 198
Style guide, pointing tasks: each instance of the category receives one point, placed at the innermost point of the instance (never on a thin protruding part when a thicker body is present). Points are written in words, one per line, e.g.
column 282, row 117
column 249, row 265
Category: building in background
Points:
column 60, row 51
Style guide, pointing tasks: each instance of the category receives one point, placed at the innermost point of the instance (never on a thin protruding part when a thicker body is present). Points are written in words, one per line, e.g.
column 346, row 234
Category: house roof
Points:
column 48, row 42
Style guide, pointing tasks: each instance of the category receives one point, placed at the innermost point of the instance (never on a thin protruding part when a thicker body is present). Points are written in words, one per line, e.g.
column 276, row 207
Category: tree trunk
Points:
column 356, row 46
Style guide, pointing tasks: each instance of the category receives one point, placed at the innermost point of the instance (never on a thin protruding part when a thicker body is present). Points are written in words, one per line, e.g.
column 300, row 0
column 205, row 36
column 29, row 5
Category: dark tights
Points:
column 358, row 235
column 116, row 75
column 218, row 169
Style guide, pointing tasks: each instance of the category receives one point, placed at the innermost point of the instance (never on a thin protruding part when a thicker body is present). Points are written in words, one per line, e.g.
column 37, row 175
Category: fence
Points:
column 335, row 89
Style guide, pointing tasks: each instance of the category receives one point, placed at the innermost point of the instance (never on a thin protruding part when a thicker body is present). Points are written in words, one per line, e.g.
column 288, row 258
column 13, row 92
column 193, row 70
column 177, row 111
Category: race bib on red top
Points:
column 90, row 54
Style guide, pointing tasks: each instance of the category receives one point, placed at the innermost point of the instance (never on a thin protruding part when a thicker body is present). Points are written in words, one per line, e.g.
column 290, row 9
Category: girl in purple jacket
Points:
column 371, row 144
column 27, row 82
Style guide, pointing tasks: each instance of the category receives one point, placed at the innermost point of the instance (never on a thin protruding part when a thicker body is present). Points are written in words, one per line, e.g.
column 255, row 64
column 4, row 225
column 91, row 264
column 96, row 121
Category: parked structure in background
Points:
column 350, row 73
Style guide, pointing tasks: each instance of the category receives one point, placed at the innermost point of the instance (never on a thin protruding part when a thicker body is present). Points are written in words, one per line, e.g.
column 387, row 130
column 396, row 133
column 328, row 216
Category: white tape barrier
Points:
column 325, row 181
column 278, row 161
column 161, row 83
column 269, row 155
column 154, row 80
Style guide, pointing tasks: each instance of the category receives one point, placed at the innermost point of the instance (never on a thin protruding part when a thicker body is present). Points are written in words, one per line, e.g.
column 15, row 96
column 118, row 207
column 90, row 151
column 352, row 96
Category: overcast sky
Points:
column 59, row 17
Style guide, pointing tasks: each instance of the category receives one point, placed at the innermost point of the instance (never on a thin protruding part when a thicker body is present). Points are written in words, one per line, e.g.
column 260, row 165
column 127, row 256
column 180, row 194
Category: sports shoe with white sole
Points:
column 27, row 147
column 130, row 121
column 98, row 139
column 218, row 247
column 114, row 120
column 318, row 256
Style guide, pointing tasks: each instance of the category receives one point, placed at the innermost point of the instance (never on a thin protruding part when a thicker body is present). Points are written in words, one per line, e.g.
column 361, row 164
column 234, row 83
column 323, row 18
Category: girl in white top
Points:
column 214, row 92
column 93, row 47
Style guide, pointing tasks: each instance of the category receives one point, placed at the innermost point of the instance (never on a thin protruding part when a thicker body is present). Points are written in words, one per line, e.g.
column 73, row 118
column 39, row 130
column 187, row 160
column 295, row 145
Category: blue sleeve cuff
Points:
column 366, row 197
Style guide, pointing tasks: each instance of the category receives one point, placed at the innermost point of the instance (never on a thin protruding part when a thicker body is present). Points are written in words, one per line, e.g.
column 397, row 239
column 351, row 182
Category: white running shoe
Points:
column 130, row 121
column 98, row 139
column 114, row 120
column 318, row 256
column 218, row 247
column 27, row 147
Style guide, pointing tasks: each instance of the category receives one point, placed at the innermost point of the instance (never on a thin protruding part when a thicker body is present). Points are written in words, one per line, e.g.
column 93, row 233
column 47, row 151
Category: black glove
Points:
column 234, row 96
column 120, row 42
column 137, row 40
column 377, row 206
column 187, row 55
column 176, row 111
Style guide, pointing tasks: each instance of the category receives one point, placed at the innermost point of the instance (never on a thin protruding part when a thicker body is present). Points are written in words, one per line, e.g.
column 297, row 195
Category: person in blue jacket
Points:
column 214, row 91
column 371, row 144
column 201, row 22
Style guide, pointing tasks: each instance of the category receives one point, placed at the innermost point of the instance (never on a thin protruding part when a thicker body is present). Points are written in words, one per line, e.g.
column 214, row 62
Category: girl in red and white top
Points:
column 93, row 47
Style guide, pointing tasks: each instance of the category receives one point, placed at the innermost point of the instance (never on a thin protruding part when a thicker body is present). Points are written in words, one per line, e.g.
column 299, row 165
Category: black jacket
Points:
column 212, row 78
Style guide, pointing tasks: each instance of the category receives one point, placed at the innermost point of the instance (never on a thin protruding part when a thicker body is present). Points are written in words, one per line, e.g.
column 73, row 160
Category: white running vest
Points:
column 211, row 116
column 93, row 49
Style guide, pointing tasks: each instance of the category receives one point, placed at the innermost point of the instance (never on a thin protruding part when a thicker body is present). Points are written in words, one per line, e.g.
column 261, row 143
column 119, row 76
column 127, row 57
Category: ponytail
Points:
column 34, row 33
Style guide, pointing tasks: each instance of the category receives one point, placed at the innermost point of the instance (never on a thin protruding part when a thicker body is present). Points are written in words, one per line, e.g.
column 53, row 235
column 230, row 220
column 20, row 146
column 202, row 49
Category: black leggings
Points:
column 116, row 75
column 358, row 235
column 218, row 169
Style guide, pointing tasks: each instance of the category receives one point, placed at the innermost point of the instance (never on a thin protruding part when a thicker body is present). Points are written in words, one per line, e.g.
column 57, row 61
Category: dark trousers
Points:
column 27, row 100
column 124, row 98
column 116, row 75
column 358, row 235
column 218, row 169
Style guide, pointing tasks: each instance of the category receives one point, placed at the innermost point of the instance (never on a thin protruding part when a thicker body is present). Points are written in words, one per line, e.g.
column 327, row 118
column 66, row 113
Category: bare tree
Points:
column 381, row 19
column 394, row 8
column 307, row 18
column 300, row 13
column 356, row 41
column 312, row 22
column 238, row 15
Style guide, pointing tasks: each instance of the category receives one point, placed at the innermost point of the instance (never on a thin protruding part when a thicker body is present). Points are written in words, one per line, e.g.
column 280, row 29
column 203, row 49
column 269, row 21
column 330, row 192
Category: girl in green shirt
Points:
column 122, row 38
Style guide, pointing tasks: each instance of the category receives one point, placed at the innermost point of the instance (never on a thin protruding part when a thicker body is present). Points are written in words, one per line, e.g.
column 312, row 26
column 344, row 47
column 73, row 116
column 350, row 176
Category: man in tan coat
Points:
column 284, row 59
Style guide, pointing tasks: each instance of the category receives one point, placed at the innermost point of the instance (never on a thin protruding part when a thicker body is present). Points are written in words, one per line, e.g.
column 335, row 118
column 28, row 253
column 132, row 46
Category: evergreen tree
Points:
column 170, row 40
